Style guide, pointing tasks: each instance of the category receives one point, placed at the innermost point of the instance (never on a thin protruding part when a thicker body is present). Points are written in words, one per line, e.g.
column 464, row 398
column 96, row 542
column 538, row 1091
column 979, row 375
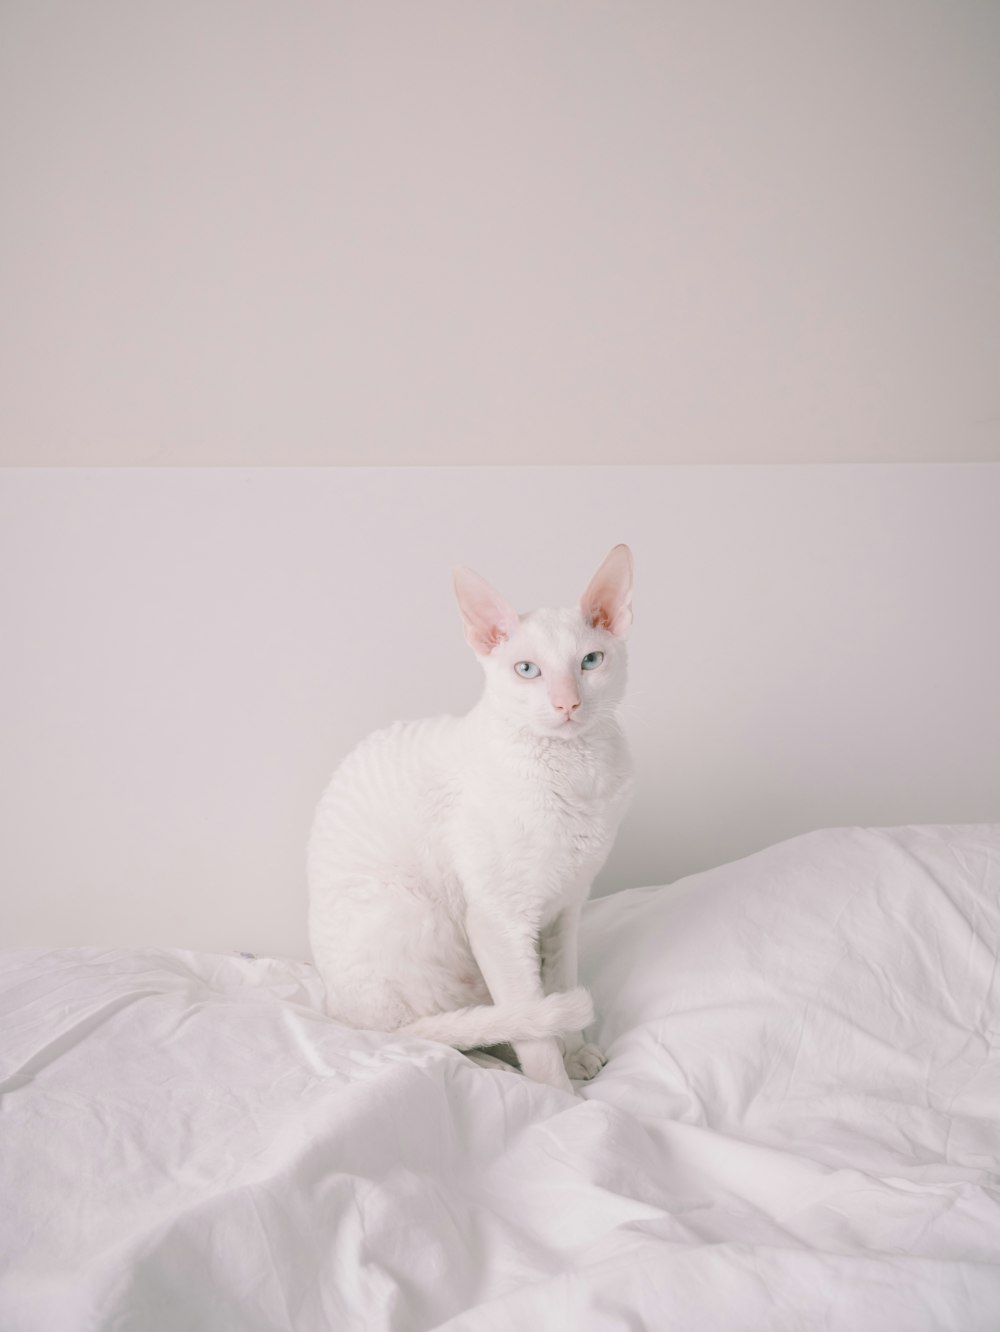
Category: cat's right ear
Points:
column 487, row 617
column 607, row 601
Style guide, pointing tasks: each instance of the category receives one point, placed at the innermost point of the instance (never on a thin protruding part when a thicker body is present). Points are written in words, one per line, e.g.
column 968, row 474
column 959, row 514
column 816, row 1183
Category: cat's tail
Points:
column 494, row 1024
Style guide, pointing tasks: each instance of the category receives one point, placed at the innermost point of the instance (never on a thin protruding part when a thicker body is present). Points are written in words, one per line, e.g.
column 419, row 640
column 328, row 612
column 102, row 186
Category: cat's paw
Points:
column 542, row 1061
column 584, row 1062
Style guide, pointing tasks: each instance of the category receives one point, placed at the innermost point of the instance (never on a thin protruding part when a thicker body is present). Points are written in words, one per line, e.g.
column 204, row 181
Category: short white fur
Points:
column 450, row 857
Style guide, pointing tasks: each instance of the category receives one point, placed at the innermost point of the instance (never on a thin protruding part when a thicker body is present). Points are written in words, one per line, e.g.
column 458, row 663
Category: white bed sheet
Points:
column 798, row 1126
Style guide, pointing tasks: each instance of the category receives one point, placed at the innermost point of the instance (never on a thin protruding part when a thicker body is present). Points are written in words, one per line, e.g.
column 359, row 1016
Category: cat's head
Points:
column 555, row 672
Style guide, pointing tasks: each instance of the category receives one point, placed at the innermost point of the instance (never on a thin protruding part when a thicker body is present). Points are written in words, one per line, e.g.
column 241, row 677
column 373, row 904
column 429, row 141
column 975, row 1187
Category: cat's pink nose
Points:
column 564, row 696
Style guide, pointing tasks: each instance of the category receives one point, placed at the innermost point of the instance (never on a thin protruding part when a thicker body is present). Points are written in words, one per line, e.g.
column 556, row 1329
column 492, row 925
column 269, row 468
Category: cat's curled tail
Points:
column 494, row 1024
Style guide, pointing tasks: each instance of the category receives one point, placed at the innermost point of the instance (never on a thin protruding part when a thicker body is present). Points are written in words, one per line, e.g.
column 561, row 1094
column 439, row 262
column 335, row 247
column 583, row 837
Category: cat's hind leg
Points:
column 388, row 957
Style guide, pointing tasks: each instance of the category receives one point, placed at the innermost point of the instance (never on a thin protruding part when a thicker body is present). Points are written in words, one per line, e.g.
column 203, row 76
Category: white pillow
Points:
column 837, row 991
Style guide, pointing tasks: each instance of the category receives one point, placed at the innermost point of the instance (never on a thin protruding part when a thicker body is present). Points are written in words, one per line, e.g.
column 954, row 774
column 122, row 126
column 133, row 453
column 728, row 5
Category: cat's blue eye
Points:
column 527, row 669
column 592, row 660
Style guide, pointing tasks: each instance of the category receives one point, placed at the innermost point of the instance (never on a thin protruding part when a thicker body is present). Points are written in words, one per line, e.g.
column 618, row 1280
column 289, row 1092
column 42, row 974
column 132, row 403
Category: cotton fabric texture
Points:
column 797, row 1126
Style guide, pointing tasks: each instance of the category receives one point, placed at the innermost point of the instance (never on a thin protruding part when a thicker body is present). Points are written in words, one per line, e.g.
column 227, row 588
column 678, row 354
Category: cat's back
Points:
column 384, row 796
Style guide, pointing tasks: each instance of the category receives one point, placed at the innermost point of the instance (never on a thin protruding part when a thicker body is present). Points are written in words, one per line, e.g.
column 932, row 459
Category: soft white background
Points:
column 187, row 653
column 467, row 231
column 458, row 232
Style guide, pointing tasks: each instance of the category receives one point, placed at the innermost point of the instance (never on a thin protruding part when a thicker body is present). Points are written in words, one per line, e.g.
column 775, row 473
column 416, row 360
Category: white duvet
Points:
column 798, row 1126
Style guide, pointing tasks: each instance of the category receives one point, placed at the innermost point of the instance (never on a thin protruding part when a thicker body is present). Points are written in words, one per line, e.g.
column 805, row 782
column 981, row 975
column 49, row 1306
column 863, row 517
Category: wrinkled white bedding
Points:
column 798, row 1126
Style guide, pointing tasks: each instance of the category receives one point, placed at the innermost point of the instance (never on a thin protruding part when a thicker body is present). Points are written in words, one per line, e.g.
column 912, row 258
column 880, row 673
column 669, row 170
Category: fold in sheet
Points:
column 797, row 1125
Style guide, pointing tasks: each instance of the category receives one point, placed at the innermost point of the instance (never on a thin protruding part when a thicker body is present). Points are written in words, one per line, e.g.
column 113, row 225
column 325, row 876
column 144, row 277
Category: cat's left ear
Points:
column 607, row 602
column 488, row 618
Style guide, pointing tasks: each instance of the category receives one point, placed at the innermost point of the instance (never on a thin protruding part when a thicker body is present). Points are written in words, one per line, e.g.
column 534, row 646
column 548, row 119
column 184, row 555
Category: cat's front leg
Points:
column 507, row 955
column 558, row 943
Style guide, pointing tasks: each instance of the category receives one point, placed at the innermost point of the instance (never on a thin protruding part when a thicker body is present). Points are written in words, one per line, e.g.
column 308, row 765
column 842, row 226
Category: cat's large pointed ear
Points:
column 607, row 602
column 488, row 618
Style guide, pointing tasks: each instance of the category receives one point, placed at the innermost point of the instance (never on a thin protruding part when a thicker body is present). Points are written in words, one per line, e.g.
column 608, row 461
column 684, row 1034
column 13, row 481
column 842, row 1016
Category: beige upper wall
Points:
column 461, row 231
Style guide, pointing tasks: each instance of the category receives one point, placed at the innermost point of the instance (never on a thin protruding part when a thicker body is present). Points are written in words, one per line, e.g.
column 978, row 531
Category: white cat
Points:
column 449, row 858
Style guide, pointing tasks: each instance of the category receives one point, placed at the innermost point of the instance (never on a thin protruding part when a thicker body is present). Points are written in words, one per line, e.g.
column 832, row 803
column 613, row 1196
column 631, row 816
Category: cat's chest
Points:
column 562, row 813
column 560, row 796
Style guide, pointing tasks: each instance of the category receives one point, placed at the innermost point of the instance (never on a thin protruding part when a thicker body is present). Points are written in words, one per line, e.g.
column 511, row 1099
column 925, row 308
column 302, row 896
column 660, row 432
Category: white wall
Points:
column 459, row 231
column 187, row 653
